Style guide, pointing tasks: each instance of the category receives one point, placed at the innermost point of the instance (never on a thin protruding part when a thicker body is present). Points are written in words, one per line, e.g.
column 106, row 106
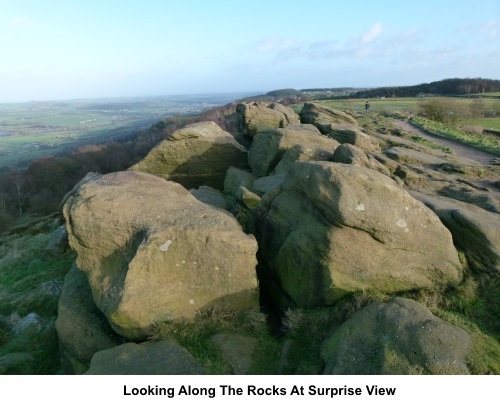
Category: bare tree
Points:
column 22, row 190
column 477, row 108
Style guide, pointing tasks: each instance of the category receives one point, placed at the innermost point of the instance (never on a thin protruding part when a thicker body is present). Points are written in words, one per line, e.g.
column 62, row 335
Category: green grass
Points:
column 196, row 337
column 429, row 144
column 487, row 123
column 400, row 105
column 376, row 105
column 29, row 284
column 396, row 106
column 487, row 143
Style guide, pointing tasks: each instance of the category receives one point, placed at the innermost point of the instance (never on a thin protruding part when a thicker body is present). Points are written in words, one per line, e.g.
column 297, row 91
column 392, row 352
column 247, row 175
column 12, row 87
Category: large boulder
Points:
column 349, row 154
column 268, row 148
column 153, row 252
column 199, row 154
column 397, row 337
column 320, row 116
column 351, row 134
column 260, row 116
column 82, row 329
column 165, row 357
column 334, row 228
column 303, row 153
column 475, row 231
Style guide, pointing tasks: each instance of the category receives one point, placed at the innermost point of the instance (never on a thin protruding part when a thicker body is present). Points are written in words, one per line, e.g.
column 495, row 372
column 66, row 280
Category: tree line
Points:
column 39, row 188
column 446, row 87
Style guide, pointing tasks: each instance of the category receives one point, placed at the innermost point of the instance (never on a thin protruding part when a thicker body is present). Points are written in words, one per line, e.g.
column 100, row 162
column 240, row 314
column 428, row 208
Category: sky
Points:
column 69, row 49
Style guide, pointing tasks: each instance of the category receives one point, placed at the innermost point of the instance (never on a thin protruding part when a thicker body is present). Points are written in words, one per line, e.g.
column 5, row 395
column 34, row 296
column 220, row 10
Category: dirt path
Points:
column 460, row 150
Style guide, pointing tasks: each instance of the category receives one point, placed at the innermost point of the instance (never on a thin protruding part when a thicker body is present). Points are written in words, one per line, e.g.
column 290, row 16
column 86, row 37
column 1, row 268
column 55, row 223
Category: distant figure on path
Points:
column 367, row 106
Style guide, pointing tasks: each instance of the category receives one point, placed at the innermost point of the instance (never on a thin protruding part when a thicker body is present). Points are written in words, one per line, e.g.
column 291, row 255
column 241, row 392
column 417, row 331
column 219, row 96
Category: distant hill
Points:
column 284, row 93
column 446, row 87
column 332, row 90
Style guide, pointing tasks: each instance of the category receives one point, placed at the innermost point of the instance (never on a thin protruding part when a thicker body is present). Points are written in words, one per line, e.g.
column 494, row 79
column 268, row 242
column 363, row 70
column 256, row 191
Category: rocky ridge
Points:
column 313, row 212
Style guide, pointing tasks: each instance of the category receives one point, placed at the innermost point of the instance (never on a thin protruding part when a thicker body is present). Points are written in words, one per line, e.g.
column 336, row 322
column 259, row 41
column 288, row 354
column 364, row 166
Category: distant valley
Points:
column 46, row 128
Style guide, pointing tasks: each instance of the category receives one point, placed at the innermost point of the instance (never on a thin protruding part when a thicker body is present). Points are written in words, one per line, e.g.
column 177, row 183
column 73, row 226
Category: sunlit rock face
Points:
column 336, row 228
column 153, row 252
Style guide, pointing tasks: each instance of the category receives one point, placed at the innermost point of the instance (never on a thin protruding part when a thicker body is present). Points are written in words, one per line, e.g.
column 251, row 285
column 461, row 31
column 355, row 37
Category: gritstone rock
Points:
column 268, row 148
column 82, row 329
column 260, row 116
column 165, row 357
column 199, row 154
column 397, row 337
column 336, row 228
column 475, row 230
column 320, row 116
column 153, row 252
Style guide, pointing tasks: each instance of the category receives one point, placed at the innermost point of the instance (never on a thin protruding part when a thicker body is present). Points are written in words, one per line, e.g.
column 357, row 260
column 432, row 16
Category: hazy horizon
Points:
column 54, row 50
column 145, row 96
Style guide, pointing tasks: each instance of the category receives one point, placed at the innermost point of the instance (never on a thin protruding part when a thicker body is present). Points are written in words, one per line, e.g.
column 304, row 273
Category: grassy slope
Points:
column 488, row 143
column 488, row 123
column 30, row 283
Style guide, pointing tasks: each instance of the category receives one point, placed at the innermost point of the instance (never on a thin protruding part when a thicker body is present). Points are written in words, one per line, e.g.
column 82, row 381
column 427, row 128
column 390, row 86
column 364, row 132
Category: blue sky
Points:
column 54, row 49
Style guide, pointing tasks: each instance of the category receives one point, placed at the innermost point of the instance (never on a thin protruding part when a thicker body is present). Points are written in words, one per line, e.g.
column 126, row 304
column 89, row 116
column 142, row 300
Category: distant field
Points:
column 36, row 129
column 377, row 105
column 411, row 105
column 492, row 124
column 497, row 94
column 396, row 104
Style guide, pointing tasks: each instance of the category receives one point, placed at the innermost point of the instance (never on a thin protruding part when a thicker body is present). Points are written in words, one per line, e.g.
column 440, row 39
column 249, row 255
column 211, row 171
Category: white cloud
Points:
column 281, row 48
column 378, row 47
column 276, row 45
column 20, row 22
column 491, row 28
column 360, row 47
column 372, row 34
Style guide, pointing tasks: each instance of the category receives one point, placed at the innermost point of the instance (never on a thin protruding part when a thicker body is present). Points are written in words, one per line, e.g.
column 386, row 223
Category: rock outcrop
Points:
column 199, row 154
column 397, row 337
column 352, row 134
column 152, row 252
column 336, row 228
column 475, row 231
column 269, row 147
column 332, row 216
column 260, row 116
column 321, row 116
column 349, row 154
